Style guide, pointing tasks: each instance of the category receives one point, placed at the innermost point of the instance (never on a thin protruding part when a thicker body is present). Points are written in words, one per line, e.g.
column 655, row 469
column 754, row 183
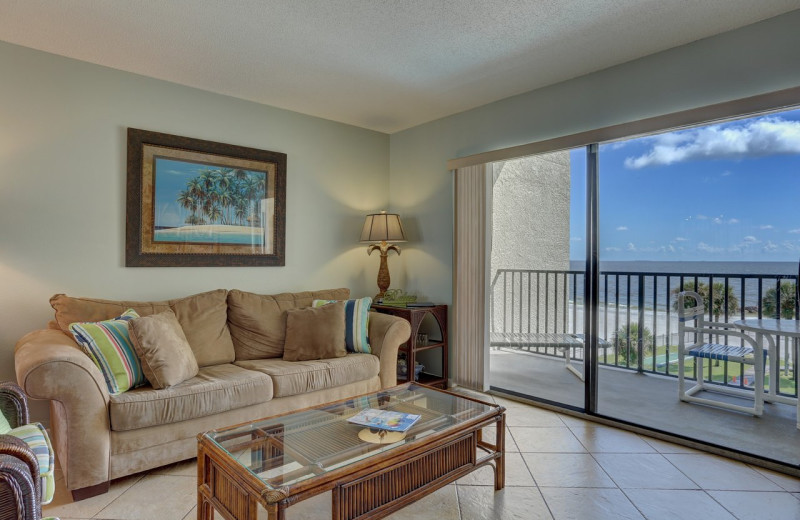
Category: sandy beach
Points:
column 212, row 229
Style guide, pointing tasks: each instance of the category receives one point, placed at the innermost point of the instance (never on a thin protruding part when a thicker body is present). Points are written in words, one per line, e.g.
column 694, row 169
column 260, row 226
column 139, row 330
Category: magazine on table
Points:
column 384, row 419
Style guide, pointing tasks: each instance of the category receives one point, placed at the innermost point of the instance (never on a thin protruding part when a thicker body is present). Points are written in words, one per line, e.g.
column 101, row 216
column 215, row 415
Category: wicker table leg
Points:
column 205, row 511
column 276, row 512
column 500, row 463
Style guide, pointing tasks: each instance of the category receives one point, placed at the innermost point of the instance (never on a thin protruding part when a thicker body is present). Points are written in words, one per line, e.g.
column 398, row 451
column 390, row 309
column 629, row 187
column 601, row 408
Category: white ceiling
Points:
column 386, row 65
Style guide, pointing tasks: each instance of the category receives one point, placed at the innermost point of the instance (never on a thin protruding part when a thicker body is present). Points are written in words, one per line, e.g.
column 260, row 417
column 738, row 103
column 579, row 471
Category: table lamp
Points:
column 383, row 228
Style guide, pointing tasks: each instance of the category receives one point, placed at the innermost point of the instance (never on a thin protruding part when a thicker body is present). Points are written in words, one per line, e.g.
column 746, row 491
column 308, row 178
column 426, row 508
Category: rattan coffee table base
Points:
column 371, row 489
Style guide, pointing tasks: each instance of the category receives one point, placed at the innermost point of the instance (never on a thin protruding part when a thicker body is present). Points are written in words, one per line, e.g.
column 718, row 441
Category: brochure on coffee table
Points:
column 384, row 419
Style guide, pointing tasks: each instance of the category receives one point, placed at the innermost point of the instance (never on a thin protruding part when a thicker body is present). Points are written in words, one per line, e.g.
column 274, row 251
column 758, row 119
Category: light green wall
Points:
column 756, row 59
column 62, row 188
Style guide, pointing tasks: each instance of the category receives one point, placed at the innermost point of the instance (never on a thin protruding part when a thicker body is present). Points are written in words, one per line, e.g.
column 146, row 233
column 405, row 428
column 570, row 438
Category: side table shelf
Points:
column 415, row 316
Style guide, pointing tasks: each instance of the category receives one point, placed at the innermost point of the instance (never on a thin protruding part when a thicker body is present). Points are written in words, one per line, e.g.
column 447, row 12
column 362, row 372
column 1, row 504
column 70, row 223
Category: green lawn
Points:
column 717, row 368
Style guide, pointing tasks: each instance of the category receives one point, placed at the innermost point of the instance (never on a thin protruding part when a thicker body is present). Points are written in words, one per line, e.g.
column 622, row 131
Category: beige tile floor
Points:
column 558, row 467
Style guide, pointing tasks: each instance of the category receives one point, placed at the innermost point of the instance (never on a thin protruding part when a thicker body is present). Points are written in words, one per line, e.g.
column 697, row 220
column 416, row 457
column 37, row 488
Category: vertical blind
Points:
column 471, row 246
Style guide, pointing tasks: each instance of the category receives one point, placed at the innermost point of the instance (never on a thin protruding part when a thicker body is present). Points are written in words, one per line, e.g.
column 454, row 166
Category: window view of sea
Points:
column 736, row 273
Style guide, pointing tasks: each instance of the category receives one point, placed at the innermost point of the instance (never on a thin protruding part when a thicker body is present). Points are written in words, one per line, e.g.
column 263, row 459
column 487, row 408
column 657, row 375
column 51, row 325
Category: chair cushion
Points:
column 297, row 377
column 163, row 350
column 356, row 317
column 203, row 318
column 35, row 436
column 315, row 333
column 108, row 344
column 258, row 321
column 724, row 353
column 214, row 389
column 5, row 427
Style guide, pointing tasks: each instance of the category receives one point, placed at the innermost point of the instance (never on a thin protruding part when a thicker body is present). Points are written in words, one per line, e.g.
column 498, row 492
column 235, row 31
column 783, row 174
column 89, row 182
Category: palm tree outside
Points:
column 769, row 302
column 720, row 301
column 626, row 342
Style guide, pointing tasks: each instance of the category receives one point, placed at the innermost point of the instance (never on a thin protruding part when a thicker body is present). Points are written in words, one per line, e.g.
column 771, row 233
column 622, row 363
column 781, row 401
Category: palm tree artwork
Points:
column 215, row 204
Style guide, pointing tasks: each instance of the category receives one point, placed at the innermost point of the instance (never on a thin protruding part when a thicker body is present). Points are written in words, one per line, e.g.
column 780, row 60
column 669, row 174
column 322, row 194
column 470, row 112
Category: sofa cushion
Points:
column 356, row 318
column 297, row 377
column 258, row 321
column 203, row 318
column 214, row 389
column 315, row 333
column 163, row 350
column 108, row 344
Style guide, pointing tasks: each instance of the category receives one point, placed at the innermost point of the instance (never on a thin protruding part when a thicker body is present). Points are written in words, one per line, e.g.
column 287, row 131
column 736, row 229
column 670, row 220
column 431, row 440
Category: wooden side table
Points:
column 415, row 316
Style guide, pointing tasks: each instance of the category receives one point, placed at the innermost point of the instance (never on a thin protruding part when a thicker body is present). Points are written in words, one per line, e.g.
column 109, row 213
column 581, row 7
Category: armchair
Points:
column 703, row 344
column 26, row 459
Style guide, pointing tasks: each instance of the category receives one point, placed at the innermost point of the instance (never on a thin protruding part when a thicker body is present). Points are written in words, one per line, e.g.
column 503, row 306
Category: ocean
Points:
column 656, row 274
column 748, row 283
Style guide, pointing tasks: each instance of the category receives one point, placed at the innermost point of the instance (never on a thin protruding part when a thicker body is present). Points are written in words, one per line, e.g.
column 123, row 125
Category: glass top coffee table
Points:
column 281, row 460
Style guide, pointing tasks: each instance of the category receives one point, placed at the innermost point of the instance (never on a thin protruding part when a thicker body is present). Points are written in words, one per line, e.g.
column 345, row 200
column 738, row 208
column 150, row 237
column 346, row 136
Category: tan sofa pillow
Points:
column 165, row 354
column 258, row 321
column 315, row 333
column 203, row 318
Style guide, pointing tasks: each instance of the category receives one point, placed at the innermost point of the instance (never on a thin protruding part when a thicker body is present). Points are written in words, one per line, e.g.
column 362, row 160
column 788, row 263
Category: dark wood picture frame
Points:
column 231, row 213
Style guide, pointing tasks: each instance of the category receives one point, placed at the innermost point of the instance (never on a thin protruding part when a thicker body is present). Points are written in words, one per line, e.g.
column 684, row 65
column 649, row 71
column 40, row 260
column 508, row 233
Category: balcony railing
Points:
column 637, row 316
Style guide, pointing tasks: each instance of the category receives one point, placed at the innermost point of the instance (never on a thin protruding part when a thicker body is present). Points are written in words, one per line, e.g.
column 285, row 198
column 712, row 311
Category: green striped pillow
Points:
column 109, row 345
column 356, row 316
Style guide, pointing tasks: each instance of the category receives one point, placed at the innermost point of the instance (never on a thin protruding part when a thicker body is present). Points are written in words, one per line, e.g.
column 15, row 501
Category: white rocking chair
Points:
column 701, row 349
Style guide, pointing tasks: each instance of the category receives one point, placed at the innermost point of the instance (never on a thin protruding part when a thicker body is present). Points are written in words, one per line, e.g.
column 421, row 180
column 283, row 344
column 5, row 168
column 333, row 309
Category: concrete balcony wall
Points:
column 530, row 230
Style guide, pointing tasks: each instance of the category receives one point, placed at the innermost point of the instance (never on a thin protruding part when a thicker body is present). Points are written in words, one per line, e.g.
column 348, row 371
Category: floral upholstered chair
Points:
column 26, row 459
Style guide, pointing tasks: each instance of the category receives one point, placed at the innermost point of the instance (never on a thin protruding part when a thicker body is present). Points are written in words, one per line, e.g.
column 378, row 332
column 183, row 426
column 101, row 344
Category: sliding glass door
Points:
column 712, row 210
column 537, row 277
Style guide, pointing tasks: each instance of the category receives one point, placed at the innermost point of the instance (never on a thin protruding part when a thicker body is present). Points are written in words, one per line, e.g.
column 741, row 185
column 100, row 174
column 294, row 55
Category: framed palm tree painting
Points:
column 201, row 203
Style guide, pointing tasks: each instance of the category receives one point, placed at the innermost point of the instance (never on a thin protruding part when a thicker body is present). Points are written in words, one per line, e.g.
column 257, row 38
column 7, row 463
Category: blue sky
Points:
column 723, row 192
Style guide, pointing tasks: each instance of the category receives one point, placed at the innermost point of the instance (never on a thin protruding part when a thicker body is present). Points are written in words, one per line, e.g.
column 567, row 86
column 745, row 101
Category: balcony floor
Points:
column 652, row 401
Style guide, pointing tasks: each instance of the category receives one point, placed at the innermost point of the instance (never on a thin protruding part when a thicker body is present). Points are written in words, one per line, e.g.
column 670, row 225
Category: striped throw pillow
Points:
column 35, row 436
column 109, row 345
column 356, row 316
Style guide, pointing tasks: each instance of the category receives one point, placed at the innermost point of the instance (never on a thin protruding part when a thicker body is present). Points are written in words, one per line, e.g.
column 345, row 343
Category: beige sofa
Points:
column 236, row 338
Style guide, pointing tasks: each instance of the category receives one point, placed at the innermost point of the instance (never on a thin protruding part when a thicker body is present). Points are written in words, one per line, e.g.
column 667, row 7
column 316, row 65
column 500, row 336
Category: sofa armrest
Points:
column 386, row 334
column 50, row 365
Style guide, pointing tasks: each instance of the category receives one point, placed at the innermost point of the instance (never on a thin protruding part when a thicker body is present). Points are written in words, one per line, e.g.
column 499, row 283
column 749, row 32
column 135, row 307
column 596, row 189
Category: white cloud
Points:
column 630, row 247
column 576, row 239
column 702, row 246
column 716, row 220
column 622, row 228
column 769, row 135
column 750, row 239
column 681, row 239
column 671, row 248
column 795, row 231
column 770, row 246
column 791, row 246
column 613, row 249
column 767, row 226
column 733, row 221
column 701, row 217
column 726, row 173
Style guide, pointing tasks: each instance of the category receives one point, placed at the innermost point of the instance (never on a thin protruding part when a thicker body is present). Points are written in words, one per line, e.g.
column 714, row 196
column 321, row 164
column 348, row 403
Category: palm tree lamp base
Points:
column 384, row 280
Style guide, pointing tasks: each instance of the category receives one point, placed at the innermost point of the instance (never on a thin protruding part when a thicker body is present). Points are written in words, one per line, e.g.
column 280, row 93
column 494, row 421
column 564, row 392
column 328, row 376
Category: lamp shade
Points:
column 383, row 227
